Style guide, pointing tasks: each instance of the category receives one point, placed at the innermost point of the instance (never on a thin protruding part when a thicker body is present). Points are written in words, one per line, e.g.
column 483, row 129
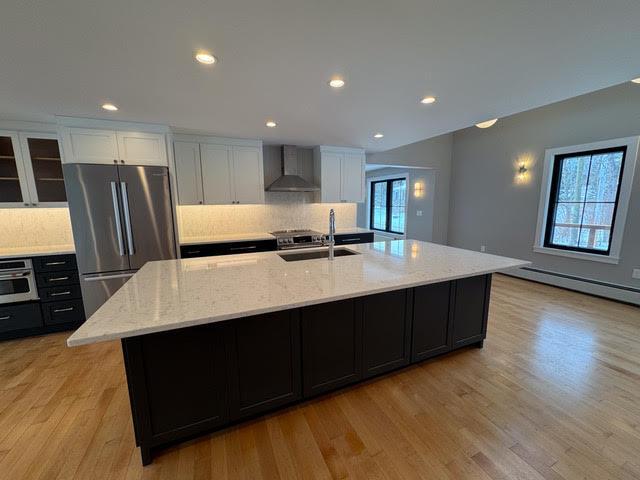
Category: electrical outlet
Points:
column 636, row 273
column 483, row 248
column 418, row 213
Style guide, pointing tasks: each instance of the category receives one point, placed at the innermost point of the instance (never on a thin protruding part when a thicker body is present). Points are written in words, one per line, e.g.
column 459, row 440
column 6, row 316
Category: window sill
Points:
column 577, row 255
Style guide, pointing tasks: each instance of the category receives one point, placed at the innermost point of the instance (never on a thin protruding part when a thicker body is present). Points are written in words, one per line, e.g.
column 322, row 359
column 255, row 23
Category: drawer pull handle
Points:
column 58, row 294
column 58, row 279
column 356, row 239
column 49, row 264
column 60, row 310
column 193, row 251
column 243, row 248
column 6, row 317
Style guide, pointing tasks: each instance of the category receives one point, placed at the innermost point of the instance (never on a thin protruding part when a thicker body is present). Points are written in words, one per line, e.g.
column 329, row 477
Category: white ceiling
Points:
column 480, row 58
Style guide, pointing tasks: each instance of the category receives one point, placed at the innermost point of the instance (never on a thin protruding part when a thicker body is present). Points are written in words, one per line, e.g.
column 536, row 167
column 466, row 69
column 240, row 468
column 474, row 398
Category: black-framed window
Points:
column 388, row 202
column 583, row 200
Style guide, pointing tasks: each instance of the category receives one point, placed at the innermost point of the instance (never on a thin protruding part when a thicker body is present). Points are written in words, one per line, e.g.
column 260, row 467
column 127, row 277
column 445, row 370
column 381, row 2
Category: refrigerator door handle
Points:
column 116, row 212
column 127, row 217
column 98, row 278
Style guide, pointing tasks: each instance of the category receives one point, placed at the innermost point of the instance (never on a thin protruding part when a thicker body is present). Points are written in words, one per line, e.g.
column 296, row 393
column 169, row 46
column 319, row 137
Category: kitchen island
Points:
column 208, row 342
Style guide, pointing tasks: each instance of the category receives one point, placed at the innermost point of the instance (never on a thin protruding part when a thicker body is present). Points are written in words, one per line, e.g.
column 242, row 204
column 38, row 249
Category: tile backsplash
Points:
column 206, row 220
column 34, row 227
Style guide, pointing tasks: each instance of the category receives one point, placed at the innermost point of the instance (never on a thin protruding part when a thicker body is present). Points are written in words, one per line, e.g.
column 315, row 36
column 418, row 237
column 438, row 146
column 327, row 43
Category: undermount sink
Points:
column 295, row 257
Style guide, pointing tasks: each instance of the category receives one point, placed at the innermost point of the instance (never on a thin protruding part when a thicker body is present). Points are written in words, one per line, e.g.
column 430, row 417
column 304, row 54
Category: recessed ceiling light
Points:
column 109, row 106
column 428, row 100
column 378, row 135
column 206, row 58
column 271, row 124
column 487, row 124
column 336, row 82
column 636, row 80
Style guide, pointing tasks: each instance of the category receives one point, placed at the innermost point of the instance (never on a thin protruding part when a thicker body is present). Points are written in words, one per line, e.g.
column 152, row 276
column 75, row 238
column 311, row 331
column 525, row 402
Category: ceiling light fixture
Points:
column 378, row 135
column 487, row 124
column 428, row 100
column 336, row 82
column 271, row 124
column 636, row 80
column 206, row 58
column 110, row 107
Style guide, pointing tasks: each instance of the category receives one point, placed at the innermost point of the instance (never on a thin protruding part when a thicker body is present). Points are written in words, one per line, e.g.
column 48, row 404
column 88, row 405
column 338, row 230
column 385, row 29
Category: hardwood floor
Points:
column 554, row 394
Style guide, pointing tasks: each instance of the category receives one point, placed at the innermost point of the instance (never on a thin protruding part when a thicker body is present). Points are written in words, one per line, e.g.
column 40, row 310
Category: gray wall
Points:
column 418, row 228
column 434, row 153
column 489, row 208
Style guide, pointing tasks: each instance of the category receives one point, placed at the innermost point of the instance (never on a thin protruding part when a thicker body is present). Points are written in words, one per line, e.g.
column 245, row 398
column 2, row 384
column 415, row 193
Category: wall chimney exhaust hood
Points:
column 290, row 181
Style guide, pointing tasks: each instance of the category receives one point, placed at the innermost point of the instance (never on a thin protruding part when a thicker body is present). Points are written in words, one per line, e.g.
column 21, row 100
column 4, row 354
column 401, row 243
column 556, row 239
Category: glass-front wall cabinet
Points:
column 44, row 168
column 30, row 170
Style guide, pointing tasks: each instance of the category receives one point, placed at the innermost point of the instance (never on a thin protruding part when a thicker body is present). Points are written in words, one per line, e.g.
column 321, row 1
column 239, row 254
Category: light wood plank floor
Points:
column 555, row 393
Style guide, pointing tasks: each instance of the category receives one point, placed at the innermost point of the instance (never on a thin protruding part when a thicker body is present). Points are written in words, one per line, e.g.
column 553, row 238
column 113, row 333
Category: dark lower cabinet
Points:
column 331, row 346
column 177, row 383
column 470, row 310
column 191, row 380
column 432, row 320
column 264, row 362
column 386, row 332
column 20, row 317
column 351, row 238
column 227, row 248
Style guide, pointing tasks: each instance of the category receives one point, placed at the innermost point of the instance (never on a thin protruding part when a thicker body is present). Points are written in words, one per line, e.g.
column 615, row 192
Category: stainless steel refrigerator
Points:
column 121, row 218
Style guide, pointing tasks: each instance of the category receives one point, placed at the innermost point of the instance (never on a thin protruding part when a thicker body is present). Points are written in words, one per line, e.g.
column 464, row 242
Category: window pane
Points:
column 596, row 226
column 397, row 219
column 603, row 177
column 573, row 179
column 398, row 193
column 379, row 219
column 566, row 236
column 568, row 214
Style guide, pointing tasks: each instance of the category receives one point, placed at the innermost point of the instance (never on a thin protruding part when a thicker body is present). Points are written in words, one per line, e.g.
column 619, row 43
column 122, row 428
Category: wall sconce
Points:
column 418, row 189
column 522, row 173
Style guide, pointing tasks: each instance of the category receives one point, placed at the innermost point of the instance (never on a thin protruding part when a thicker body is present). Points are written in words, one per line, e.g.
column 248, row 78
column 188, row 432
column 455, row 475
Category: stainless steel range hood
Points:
column 290, row 181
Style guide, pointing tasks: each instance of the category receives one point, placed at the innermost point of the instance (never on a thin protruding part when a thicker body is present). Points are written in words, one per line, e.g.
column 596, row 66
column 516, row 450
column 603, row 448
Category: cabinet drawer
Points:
column 231, row 248
column 63, row 292
column 20, row 317
column 54, row 263
column 55, row 313
column 54, row 279
column 347, row 239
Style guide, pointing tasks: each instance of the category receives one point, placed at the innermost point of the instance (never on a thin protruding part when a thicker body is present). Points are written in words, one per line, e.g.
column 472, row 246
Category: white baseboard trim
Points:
column 613, row 291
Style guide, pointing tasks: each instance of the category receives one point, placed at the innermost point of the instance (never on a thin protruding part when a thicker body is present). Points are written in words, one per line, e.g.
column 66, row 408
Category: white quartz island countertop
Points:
column 173, row 294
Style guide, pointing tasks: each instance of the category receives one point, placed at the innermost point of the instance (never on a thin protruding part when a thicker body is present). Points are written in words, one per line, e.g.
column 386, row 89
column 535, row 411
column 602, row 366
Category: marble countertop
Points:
column 16, row 252
column 173, row 294
column 227, row 237
column 241, row 237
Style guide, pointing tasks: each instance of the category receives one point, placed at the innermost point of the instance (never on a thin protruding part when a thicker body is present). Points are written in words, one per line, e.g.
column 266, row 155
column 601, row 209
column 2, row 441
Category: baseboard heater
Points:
column 599, row 288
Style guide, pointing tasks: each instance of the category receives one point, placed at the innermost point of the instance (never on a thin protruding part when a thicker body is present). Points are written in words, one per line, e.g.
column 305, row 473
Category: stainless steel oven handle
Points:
column 252, row 247
column 127, row 217
column 12, row 276
column 116, row 212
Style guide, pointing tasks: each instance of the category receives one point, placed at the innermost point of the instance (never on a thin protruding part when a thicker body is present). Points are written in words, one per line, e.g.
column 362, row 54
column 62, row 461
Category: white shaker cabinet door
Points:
column 331, row 177
column 87, row 145
column 188, row 173
column 216, row 174
column 139, row 148
column 247, row 174
column 352, row 178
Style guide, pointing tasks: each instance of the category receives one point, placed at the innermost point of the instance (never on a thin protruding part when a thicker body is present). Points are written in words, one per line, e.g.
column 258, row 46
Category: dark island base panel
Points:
column 186, row 382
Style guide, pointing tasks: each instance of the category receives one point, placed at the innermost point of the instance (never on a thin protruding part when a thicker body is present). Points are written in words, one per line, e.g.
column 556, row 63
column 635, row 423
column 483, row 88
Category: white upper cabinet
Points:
column 188, row 173
column 88, row 145
column 340, row 174
column 136, row 148
column 218, row 171
column 352, row 177
column 216, row 174
column 247, row 172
